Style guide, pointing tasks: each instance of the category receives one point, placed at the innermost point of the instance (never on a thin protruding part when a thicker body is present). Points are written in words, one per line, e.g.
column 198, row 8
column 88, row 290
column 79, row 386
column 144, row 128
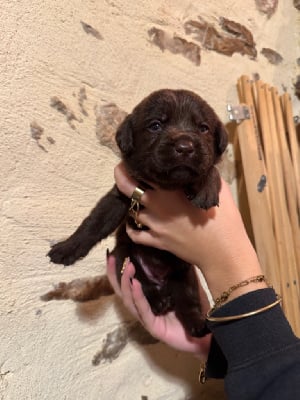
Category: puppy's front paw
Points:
column 160, row 306
column 206, row 199
column 199, row 330
column 68, row 251
column 196, row 327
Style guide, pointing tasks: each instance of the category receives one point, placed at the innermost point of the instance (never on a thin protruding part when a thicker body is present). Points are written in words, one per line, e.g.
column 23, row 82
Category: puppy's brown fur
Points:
column 172, row 138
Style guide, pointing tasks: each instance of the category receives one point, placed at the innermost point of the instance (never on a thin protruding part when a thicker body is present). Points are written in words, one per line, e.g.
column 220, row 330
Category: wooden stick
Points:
column 283, row 233
column 294, row 146
column 288, row 175
column 274, row 216
column 254, row 169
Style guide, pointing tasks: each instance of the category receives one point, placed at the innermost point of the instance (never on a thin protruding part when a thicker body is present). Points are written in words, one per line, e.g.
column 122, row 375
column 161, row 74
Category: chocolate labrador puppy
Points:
column 174, row 139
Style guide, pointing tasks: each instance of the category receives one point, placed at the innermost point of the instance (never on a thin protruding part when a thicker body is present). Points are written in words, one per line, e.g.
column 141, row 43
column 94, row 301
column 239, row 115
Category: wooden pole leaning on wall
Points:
column 254, row 172
column 261, row 150
column 282, row 227
column 288, row 174
column 293, row 142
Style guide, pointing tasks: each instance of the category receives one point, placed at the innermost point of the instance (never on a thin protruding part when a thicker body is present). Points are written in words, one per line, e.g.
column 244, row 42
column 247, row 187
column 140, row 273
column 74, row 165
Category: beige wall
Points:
column 53, row 170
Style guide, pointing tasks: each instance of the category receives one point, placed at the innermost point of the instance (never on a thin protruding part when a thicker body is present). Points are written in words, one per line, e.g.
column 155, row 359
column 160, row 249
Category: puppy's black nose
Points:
column 184, row 147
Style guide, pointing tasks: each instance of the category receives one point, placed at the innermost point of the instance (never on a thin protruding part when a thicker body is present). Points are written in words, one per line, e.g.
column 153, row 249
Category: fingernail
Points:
column 125, row 263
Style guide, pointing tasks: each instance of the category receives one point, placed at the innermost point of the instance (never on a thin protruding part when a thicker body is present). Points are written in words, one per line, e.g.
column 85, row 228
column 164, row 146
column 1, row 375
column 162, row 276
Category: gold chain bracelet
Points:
column 225, row 295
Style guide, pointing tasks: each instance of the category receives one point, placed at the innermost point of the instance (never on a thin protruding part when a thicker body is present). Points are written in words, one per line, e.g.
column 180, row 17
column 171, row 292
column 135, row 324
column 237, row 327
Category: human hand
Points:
column 171, row 219
column 215, row 240
column 167, row 328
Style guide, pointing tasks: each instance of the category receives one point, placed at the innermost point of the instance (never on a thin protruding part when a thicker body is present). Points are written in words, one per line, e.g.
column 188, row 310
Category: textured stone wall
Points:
column 70, row 71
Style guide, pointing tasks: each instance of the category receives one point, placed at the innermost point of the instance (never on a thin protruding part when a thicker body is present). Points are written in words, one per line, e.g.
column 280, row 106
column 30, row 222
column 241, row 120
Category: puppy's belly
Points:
column 158, row 266
column 155, row 274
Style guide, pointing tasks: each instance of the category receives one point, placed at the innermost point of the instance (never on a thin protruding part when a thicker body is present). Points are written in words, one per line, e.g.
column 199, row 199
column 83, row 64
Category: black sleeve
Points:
column 259, row 355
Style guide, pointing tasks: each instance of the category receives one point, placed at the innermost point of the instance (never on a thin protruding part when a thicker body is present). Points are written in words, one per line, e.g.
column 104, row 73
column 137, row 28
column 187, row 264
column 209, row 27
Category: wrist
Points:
column 226, row 272
column 237, row 290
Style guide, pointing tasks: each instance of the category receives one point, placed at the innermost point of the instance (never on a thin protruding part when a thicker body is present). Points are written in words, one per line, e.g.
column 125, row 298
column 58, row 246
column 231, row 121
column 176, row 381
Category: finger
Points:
column 145, row 217
column 145, row 237
column 124, row 181
column 127, row 298
column 126, row 184
column 111, row 274
column 142, row 306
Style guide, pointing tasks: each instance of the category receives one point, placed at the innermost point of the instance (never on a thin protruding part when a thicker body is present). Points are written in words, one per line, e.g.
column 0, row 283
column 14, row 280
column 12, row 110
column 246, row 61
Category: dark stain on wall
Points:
column 50, row 140
column 297, row 87
column 116, row 341
column 113, row 345
column 232, row 38
column 267, row 7
column 175, row 45
column 91, row 31
column 81, row 99
column 272, row 56
column 59, row 105
column 36, row 133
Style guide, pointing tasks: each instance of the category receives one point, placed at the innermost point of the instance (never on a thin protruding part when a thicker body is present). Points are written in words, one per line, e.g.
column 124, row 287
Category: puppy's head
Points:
column 172, row 138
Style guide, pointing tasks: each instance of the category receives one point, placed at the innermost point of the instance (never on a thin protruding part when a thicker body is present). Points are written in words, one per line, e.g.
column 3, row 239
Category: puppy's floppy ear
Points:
column 221, row 139
column 124, row 136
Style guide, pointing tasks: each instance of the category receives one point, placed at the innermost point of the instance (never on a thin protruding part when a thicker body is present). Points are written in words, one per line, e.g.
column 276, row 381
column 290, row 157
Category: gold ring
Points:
column 135, row 205
column 137, row 194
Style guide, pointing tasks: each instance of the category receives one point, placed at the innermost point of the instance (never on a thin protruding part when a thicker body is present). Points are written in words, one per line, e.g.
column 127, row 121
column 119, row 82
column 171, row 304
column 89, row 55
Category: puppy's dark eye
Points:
column 204, row 128
column 155, row 126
